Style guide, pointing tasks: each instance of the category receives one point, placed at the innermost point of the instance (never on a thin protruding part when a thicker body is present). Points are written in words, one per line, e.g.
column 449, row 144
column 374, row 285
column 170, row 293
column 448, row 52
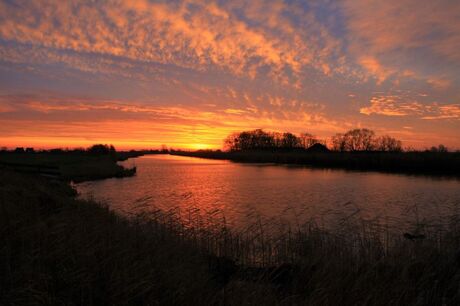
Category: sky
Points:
column 139, row 74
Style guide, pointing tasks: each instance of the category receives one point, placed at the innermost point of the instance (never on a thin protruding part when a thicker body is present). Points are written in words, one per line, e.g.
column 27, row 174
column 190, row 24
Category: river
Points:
column 242, row 193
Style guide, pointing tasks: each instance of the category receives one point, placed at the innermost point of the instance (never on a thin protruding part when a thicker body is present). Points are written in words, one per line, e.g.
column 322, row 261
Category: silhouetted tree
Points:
column 339, row 142
column 249, row 140
column 365, row 140
column 307, row 140
column 440, row 148
column 290, row 141
column 19, row 150
column 354, row 140
column 388, row 144
column 360, row 140
column 261, row 140
column 30, row 150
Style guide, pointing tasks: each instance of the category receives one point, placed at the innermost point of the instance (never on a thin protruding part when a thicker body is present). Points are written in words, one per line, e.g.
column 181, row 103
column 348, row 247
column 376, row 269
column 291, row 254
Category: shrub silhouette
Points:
column 101, row 149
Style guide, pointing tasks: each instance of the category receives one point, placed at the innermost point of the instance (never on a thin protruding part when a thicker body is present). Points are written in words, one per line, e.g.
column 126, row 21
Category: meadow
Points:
column 431, row 163
column 74, row 166
column 60, row 250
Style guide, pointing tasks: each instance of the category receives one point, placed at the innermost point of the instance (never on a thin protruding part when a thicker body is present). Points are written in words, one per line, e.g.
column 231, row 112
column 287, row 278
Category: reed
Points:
column 59, row 250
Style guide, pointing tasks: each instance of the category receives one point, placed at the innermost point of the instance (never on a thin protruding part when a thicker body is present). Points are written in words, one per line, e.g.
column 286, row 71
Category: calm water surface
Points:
column 243, row 192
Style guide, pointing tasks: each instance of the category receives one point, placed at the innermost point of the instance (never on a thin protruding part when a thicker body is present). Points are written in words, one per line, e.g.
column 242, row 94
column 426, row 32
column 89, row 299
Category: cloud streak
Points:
column 121, row 122
column 190, row 34
column 394, row 31
column 397, row 105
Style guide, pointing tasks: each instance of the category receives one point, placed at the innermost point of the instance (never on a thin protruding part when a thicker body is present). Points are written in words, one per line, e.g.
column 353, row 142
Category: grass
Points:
column 432, row 163
column 59, row 250
column 72, row 166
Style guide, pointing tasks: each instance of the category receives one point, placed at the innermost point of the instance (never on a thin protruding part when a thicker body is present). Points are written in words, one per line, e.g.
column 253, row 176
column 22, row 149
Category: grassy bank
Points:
column 433, row 163
column 75, row 166
column 58, row 250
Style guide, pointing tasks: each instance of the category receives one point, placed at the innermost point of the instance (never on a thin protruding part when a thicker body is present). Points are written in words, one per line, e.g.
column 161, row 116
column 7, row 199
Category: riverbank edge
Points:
column 417, row 163
column 67, row 166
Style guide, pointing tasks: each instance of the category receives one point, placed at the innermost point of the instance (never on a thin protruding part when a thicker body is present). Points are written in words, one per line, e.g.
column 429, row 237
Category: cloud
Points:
column 190, row 34
column 75, row 121
column 444, row 112
column 439, row 83
column 297, row 65
column 376, row 69
column 400, row 105
column 386, row 26
column 407, row 34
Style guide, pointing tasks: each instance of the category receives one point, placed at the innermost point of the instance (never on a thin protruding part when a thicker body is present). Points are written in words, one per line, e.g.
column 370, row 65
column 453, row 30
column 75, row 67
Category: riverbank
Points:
column 57, row 249
column 429, row 163
column 68, row 166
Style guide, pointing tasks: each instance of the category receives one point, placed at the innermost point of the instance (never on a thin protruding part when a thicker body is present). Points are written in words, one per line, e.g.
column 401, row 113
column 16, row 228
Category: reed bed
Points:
column 58, row 250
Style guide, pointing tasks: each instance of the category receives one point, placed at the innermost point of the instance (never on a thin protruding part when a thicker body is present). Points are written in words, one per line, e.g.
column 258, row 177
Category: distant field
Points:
column 71, row 166
column 435, row 163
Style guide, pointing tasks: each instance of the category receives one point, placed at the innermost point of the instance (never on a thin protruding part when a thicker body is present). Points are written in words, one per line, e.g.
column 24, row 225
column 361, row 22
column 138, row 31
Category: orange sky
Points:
column 139, row 74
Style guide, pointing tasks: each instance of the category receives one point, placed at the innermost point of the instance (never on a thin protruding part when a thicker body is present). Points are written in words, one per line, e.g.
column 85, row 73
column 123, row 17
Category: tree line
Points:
column 261, row 140
column 97, row 150
column 364, row 140
column 351, row 141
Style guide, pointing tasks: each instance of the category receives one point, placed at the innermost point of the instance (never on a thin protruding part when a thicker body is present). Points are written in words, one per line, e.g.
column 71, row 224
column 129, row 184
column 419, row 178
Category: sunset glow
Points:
column 185, row 74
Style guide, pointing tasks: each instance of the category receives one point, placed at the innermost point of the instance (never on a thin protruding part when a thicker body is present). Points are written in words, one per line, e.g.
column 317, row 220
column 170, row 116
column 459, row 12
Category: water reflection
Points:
column 288, row 194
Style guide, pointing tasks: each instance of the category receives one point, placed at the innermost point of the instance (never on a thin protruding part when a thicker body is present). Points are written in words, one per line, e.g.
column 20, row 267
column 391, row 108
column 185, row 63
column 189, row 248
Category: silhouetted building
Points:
column 318, row 147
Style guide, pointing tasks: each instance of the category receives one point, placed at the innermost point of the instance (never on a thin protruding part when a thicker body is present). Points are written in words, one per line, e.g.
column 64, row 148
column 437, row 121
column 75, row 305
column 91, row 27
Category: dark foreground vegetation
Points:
column 96, row 162
column 59, row 250
column 429, row 163
column 358, row 149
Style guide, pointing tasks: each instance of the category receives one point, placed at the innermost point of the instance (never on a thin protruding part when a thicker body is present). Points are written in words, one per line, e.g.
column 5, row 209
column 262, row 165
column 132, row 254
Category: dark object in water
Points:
column 414, row 237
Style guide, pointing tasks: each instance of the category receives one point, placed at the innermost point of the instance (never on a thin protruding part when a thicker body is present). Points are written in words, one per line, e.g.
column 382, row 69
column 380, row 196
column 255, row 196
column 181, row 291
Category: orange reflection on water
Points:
column 243, row 193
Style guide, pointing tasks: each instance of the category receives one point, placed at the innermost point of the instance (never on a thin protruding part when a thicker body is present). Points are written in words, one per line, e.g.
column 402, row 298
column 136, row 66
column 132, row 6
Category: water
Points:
column 242, row 192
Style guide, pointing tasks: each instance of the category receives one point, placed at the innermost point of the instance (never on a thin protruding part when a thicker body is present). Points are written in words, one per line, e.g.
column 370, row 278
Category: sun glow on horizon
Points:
column 139, row 74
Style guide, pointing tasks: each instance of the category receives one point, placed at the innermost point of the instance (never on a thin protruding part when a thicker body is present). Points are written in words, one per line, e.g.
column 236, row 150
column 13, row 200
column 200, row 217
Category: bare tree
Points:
column 339, row 142
column 359, row 140
column 290, row 141
column 388, row 144
column 364, row 140
column 307, row 140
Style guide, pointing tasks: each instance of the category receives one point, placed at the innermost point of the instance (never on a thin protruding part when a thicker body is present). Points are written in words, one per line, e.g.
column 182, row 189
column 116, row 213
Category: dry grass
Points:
column 57, row 250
